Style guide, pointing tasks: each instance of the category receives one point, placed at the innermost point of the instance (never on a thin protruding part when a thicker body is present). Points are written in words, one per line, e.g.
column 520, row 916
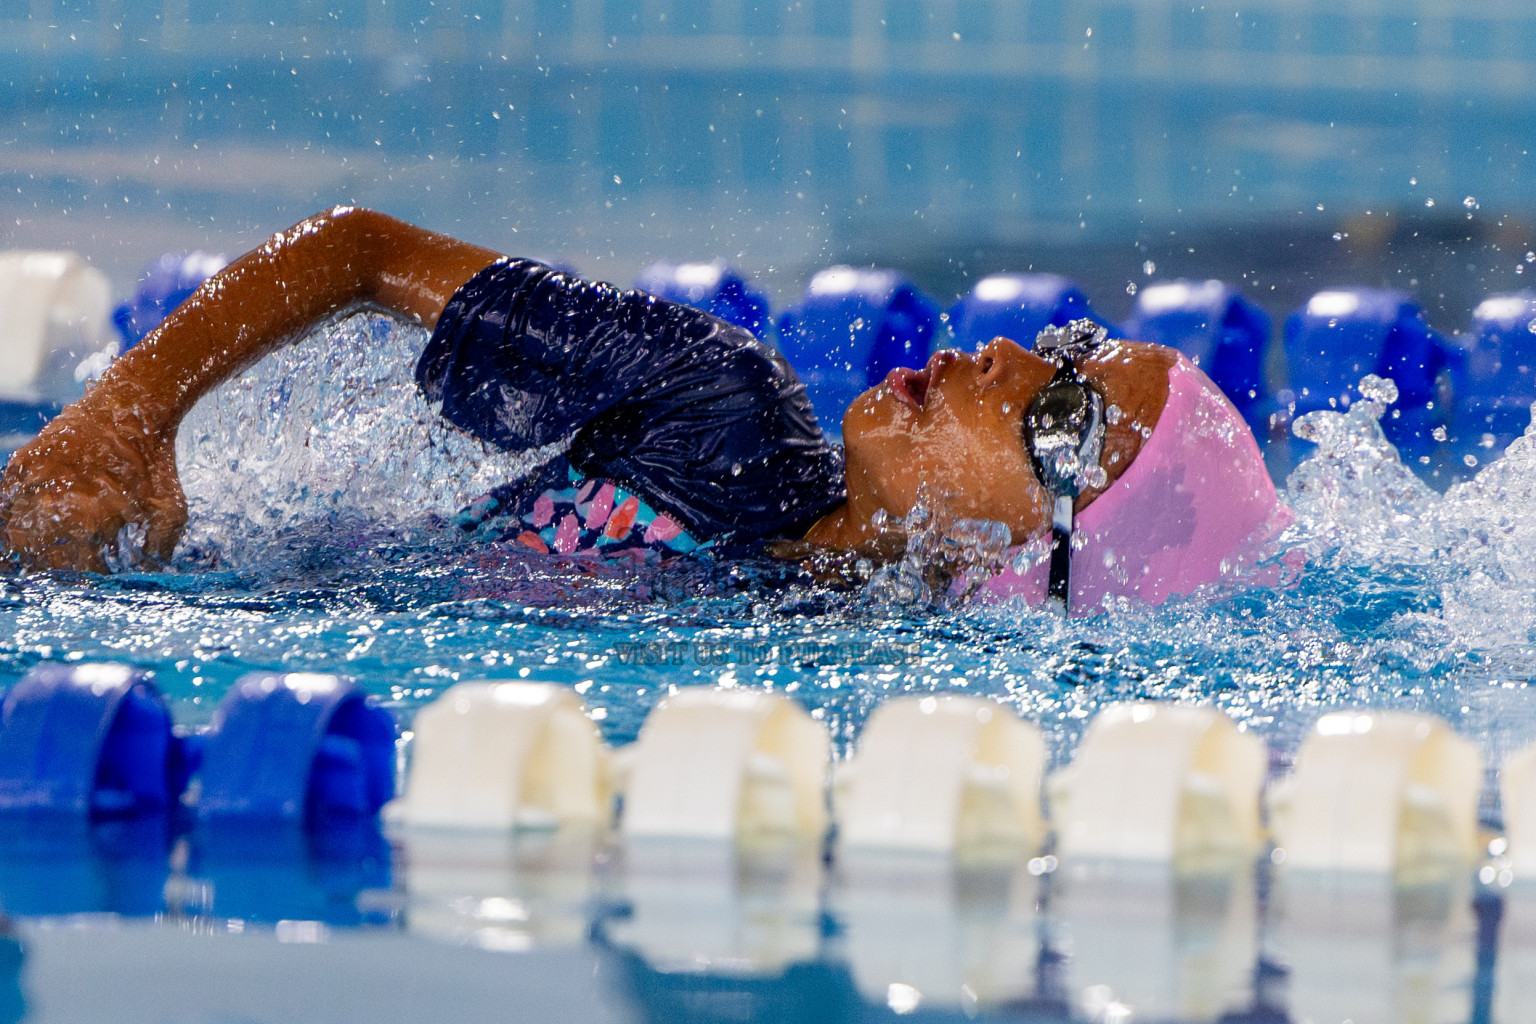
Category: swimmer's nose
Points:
column 990, row 364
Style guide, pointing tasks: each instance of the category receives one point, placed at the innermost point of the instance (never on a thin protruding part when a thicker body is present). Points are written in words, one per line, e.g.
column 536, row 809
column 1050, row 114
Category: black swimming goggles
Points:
column 1064, row 434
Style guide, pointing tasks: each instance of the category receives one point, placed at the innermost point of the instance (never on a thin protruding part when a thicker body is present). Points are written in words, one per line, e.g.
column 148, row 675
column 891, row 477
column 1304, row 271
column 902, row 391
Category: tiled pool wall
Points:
column 947, row 139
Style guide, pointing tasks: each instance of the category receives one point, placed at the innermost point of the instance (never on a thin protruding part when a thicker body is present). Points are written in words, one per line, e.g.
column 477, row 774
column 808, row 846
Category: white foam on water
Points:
column 1359, row 506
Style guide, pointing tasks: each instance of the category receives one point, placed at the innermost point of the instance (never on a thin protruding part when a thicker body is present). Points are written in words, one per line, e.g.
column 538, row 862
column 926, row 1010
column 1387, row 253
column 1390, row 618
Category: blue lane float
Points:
column 854, row 326
column 89, row 740
column 296, row 746
column 165, row 285
column 1220, row 331
column 1017, row 306
column 714, row 287
column 1341, row 335
column 1496, row 381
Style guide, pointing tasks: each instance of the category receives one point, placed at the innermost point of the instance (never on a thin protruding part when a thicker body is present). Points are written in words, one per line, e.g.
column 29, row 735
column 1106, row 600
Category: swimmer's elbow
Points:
column 347, row 250
column 364, row 257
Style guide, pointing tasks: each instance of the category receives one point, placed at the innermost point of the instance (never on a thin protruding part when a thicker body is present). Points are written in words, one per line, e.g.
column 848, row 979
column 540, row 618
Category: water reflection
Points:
column 1143, row 936
column 1369, row 949
column 697, row 931
column 923, row 931
column 333, row 874
column 500, row 891
column 704, row 907
column 53, row 866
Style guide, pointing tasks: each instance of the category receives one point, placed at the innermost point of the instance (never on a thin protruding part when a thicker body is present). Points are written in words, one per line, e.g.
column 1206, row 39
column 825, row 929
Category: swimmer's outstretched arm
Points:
column 103, row 472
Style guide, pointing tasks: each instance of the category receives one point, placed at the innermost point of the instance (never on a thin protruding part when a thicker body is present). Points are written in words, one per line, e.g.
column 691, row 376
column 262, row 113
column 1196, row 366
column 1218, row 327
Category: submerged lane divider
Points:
column 1377, row 792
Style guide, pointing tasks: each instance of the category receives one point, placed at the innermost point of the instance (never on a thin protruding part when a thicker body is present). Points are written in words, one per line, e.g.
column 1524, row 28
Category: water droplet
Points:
column 1429, row 202
column 1531, row 326
column 1319, row 207
column 1149, row 268
column 1378, row 389
column 1470, row 202
column 735, row 469
column 1338, row 236
column 1438, row 433
column 1413, row 181
column 1007, row 408
column 1114, row 414
column 1469, row 459
column 618, row 180
column 1130, row 288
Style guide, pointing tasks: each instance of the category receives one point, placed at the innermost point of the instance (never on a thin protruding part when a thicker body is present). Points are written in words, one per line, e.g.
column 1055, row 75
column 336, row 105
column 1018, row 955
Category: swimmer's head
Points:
column 955, row 430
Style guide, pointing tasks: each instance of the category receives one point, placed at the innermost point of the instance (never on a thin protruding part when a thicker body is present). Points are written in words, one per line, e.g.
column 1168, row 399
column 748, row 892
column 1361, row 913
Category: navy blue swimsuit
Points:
column 676, row 418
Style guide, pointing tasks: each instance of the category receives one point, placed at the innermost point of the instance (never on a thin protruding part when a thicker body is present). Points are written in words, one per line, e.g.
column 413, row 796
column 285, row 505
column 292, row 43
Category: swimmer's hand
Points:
column 96, row 490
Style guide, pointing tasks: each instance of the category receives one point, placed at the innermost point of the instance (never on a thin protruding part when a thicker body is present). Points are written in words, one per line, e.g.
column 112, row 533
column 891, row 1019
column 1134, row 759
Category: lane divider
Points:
column 1389, row 793
column 945, row 774
column 1379, row 791
column 727, row 764
column 286, row 746
column 505, row 755
column 1160, row 782
column 89, row 739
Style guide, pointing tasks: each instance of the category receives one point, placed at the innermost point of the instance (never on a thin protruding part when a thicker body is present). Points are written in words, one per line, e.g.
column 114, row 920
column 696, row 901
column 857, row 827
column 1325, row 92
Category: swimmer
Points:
column 685, row 430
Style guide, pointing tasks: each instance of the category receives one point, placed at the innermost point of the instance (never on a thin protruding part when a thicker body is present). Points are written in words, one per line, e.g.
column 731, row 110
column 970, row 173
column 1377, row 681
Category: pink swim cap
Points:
column 1196, row 505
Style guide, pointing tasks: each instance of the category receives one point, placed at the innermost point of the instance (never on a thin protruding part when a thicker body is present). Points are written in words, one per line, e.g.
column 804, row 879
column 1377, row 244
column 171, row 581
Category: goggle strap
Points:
column 1059, row 586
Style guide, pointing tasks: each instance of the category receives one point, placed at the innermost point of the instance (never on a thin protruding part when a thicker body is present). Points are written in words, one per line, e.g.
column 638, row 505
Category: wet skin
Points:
column 104, row 469
column 108, row 461
column 955, row 429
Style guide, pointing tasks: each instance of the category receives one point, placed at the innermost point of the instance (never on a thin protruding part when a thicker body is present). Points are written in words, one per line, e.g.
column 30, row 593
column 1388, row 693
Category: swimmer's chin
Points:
column 877, row 407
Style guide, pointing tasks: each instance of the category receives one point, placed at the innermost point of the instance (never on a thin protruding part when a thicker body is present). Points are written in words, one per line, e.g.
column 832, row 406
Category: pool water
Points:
column 322, row 490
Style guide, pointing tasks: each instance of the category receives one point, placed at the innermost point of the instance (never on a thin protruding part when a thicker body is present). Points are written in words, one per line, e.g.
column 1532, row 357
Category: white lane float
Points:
column 1160, row 782
column 55, row 325
column 727, row 764
column 943, row 775
column 1388, row 792
column 502, row 755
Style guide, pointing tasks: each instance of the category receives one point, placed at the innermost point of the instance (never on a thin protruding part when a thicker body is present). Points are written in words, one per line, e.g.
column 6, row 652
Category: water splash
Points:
column 945, row 558
column 1355, row 501
column 322, row 479
column 328, row 441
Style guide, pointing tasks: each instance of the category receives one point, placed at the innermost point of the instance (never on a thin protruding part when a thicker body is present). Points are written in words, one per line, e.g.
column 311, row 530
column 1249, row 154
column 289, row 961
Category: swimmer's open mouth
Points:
column 910, row 386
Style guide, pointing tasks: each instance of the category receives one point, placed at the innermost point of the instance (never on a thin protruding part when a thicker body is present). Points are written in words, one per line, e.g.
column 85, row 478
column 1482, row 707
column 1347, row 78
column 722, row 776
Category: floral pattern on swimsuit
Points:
column 588, row 515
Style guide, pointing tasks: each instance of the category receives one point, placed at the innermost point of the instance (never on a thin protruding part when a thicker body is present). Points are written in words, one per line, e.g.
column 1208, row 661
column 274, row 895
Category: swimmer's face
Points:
column 955, row 430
